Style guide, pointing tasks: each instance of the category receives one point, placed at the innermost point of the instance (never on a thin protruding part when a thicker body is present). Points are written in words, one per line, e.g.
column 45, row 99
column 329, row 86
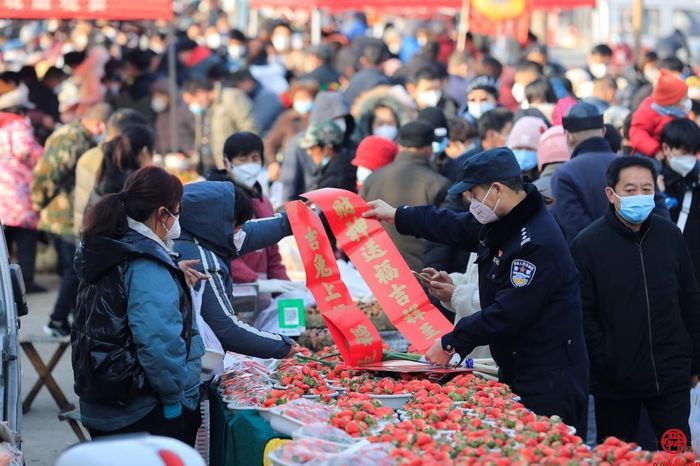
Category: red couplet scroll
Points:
column 356, row 336
column 376, row 258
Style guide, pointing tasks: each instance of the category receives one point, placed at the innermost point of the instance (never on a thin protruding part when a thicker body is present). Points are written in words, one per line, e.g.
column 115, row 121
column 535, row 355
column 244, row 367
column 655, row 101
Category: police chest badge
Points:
column 521, row 273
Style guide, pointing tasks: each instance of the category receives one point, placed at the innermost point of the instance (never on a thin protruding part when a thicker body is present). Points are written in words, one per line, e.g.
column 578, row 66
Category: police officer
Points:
column 528, row 284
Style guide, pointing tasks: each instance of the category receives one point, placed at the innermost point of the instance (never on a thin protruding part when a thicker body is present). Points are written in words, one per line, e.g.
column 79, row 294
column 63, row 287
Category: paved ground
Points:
column 45, row 437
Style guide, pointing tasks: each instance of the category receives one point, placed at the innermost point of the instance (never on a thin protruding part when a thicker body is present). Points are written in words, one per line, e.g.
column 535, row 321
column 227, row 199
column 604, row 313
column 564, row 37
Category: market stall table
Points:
column 238, row 438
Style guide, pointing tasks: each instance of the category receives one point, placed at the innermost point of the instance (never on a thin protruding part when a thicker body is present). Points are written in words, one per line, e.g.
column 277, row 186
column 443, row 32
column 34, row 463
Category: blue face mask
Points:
column 636, row 209
column 671, row 111
column 440, row 146
column 196, row 109
column 527, row 159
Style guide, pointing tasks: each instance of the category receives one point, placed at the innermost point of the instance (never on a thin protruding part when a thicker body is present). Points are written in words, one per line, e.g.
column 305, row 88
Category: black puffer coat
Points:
column 104, row 356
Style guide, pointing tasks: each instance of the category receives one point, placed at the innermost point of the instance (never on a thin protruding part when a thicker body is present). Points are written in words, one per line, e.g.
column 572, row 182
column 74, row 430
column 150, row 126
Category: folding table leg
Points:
column 45, row 377
column 77, row 430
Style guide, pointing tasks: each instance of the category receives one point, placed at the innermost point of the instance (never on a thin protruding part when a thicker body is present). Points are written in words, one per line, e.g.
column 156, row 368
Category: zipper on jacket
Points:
column 646, row 293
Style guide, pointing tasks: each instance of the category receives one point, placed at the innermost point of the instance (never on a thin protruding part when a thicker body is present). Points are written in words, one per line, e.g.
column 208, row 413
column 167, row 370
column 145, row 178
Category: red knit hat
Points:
column 669, row 90
column 374, row 152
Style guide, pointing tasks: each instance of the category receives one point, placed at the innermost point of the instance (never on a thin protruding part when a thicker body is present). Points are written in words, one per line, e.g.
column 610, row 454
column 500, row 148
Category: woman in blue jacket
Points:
column 134, row 336
column 216, row 229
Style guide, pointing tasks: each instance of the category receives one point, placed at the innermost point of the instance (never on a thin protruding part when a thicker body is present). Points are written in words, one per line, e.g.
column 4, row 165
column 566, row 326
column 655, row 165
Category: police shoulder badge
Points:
column 521, row 273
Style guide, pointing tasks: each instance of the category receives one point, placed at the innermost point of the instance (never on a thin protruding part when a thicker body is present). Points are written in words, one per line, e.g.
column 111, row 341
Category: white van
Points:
column 12, row 306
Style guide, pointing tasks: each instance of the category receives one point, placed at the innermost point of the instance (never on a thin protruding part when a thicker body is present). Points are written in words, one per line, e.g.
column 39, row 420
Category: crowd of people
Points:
column 555, row 212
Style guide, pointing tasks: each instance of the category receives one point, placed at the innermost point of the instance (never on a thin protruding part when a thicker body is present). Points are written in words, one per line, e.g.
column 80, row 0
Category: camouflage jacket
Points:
column 54, row 178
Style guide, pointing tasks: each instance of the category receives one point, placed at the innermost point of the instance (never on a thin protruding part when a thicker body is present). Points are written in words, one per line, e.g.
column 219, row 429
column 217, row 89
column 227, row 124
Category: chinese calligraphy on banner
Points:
column 374, row 254
column 86, row 9
column 357, row 338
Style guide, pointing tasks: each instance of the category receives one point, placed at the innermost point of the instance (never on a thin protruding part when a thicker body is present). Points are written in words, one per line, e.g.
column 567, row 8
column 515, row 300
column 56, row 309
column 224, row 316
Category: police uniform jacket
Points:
column 528, row 288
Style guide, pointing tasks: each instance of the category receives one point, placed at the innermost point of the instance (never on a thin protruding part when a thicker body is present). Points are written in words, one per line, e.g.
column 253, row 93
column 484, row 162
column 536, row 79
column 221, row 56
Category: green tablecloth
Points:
column 237, row 438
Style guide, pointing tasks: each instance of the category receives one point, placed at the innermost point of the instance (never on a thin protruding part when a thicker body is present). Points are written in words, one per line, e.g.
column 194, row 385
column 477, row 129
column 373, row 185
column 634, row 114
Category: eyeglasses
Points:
column 174, row 214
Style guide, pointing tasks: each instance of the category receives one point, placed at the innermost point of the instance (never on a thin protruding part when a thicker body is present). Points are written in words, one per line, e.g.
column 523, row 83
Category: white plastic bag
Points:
column 694, row 419
column 213, row 359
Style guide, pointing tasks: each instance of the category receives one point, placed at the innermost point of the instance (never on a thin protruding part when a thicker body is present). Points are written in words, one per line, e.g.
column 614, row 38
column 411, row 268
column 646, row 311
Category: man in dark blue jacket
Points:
column 578, row 186
column 528, row 284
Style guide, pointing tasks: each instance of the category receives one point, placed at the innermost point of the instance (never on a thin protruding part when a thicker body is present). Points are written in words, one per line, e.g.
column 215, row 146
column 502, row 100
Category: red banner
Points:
column 356, row 336
column 87, row 9
column 376, row 258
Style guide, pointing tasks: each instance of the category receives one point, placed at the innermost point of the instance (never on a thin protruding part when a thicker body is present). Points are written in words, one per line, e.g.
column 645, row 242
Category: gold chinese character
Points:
column 369, row 359
column 97, row 5
column 413, row 314
column 428, row 331
column 398, row 293
column 371, row 251
column 14, row 4
column 343, row 207
column 42, row 5
column 362, row 335
column 384, row 272
column 311, row 237
column 322, row 270
column 331, row 294
column 356, row 229
column 69, row 5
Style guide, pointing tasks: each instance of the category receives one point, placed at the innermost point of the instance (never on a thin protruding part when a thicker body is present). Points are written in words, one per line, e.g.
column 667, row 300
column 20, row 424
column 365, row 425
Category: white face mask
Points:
column 246, row 173
column 651, row 74
column 236, row 51
column 280, row 43
column 686, row 105
column 478, row 109
column 214, row 41
column 682, row 164
column 174, row 231
column 159, row 104
column 80, row 42
column 362, row 174
column 386, row 131
column 302, row 107
column 483, row 213
column 238, row 239
column 518, row 91
column 342, row 124
column 428, row 98
column 598, row 70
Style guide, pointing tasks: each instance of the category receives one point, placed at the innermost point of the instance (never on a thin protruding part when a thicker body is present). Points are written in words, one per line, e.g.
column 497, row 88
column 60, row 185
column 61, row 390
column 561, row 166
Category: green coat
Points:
column 54, row 178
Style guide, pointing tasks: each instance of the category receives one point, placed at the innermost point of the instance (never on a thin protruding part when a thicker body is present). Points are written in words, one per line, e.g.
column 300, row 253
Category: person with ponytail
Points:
column 123, row 155
column 134, row 344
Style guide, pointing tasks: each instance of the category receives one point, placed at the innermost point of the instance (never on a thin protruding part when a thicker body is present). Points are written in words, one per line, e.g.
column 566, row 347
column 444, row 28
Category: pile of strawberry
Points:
column 303, row 380
column 358, row 414
column 465, row 421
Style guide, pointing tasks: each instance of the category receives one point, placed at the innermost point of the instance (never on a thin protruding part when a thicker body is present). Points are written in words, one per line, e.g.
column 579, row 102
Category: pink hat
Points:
column 560, row 109
column 553, row 147
column 526, row 132
column 374, row 152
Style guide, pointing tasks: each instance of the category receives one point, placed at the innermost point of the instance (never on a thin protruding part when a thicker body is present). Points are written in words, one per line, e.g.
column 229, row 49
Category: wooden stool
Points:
column 44, row 371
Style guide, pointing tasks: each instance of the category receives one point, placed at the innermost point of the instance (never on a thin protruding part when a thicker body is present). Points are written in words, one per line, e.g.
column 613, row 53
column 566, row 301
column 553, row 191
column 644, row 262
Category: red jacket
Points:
column 645, row 132
column 246, row 268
